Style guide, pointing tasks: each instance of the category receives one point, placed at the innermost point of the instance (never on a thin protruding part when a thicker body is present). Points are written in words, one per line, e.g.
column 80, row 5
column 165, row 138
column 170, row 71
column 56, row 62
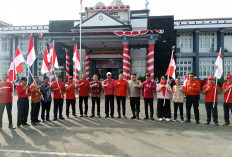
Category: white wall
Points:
column 138, row 61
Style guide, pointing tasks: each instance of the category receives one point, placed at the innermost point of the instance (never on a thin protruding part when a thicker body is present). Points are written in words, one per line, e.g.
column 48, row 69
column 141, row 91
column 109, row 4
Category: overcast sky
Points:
column 39, row 12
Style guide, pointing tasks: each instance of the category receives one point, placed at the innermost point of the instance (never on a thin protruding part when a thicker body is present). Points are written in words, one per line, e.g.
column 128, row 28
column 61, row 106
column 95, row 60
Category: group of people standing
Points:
column 41, row 95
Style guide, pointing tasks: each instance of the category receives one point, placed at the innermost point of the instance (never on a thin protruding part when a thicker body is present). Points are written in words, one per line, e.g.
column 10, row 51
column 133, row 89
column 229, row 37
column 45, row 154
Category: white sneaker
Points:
column 167, row 119
column 182, row 121
column 174, row 120
column 160, row 119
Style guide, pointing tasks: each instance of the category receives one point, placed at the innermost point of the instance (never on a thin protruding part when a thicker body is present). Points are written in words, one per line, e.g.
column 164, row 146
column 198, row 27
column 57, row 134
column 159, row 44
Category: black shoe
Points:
column 207, row 123
column 34, row 124
column 197, row 122
column 187, row 121
column 92, row 116
column 61, row 118
column 98, row 116
column 55, row 119
column 43, row 121
column 48, row 120
column 146, row 118
column 216, row 124
column 81, row 115
column 133, row 117
column 119, row 117
column 38, row 121
column 106, row 116
column 152, row 119
column 25, row 124
column 12, row 127
column 124, row 117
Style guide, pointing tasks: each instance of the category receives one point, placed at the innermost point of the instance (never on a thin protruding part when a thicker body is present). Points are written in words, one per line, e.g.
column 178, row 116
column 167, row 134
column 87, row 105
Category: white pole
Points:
column 228, row 96
column 214, row 99
column 13, row 85
column 80, row 37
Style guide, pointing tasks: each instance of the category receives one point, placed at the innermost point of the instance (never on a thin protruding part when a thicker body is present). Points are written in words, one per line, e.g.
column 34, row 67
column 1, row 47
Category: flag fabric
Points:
column 186, row 77
column 16, row 65
column 219, row 65
column 31, row 57
column 52, row 75
column 53, row 59
column 171, row 68
column 45, row 66
column 76, row 58
column 81, row 4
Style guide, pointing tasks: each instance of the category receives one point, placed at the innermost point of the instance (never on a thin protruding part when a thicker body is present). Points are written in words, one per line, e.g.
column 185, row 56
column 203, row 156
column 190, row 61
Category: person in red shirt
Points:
column 70, row 96
column 211, row 100
column 6, row 88
column 83, row 86
column 58, row 96
column 227, row 87
column 23, row 92
column 192, row 90
column 121, row 92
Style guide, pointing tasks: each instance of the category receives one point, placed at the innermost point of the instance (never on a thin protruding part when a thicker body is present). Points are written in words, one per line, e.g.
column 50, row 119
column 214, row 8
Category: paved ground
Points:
column 118, row 137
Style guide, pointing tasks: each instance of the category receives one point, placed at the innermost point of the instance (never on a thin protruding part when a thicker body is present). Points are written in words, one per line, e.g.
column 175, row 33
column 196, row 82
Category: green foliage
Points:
column 142, row 78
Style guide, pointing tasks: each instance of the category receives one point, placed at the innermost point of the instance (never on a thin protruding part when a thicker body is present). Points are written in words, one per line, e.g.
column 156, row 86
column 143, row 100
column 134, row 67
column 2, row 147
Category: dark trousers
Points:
column 135, row 105
column 163, row 110
column 45, row 108
column 86, row 104
column 109, row 100
column 97, row 101
column 211, row 109
column 120, row 99
column 227, row 107
column 148, row 101
column 35, row 107
column 192, row 100
column 58, row 105
column 23, row 108
column 9, row 113
column 71, row 102
column 180, row 106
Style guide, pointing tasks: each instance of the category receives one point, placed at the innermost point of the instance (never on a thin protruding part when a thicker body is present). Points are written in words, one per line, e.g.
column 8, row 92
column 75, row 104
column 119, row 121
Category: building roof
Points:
column 116, row 3
column 4, row 24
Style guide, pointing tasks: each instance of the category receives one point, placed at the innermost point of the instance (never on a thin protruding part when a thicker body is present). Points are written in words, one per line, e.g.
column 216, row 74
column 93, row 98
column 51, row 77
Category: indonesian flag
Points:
column 219, row 66
column 171, row 68
column 31, row 57
column 53, row 61
column 16, row 65
column 45, row 66
column 186, row 77
column 76, row 58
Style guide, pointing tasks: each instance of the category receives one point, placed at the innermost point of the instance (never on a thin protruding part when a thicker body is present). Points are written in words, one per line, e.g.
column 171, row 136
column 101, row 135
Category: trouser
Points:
column 58, row 105
column 23, row 108
column 119, row 99
column 180, row 106
column 9, row 113
column 45, row 108
column 95, row 100
column 211, row 109
column 71, row 102
column 109, row 102
column 227, row 107
column 135, row 105
column 35, row 107
column 192, row 100
column 163, row 110
column 148, row 101
column 86, row 104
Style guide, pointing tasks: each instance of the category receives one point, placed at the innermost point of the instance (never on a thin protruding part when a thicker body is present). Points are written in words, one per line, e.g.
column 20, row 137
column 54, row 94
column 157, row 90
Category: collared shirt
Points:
column 209, row 95
column 59, row 94
column 6, row 90
column 121, row 87
column 160, row 94
column 134, row 88
column 35, row 94
column 46, row 92
column 177, row 94
column 148, row 88
column 225, row 85
column 96, row 90
column 70, row 94
column 195, row 84
column 109, row 90
column 84, row 88
column 21, row 91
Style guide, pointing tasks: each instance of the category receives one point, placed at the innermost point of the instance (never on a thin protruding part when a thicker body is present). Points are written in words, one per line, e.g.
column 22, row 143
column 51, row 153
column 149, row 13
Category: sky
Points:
column 39, row 12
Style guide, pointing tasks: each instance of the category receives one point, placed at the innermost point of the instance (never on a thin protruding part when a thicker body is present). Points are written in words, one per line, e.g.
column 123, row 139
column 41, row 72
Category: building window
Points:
column 206, row 67
column 23, row 44
column 5, row 44
column 42, row 44
column 183, row 66
column 184, row 42
column 208, row 42
column 228, row 66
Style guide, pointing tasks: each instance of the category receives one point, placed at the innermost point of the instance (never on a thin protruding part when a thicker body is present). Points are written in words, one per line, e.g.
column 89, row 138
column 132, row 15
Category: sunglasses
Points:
column 191, row 76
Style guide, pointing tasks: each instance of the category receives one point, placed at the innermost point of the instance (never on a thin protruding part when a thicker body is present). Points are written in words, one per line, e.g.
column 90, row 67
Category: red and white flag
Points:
column 76, row 58
column 31, row 57
column 186, row 78
column 171, row 68
column 53, row 59
column 45, row 66
column 219, row 66
column 16, row 65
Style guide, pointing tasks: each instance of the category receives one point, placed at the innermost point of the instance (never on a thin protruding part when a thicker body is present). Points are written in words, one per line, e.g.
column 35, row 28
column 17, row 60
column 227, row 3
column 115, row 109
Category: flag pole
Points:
column 80, row 33
column 214, row 99
column 228, row 95
column 12, row 111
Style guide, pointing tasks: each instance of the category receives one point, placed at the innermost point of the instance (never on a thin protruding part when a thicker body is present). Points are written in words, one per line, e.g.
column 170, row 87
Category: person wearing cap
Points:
column 47, row 98
column 83, row 86
column 133, row 93
column 58, row 89
column 163, row 90
column 210, row 98
column 108, row 85
column 192, row 90
column 35, row 101
column 96, row 94
column 70, row 96
column 23, row 92
column 120, row 86
column 6, row 89
column 227, row 87
column 147, row 94
column 178, row 99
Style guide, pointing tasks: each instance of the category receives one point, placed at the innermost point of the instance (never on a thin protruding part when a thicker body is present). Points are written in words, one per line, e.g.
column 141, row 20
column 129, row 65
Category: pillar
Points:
column 87, row 64
column 126, row 60
column 150, row 58
column 196, row 50
column 75, row 71
column 67, row 63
